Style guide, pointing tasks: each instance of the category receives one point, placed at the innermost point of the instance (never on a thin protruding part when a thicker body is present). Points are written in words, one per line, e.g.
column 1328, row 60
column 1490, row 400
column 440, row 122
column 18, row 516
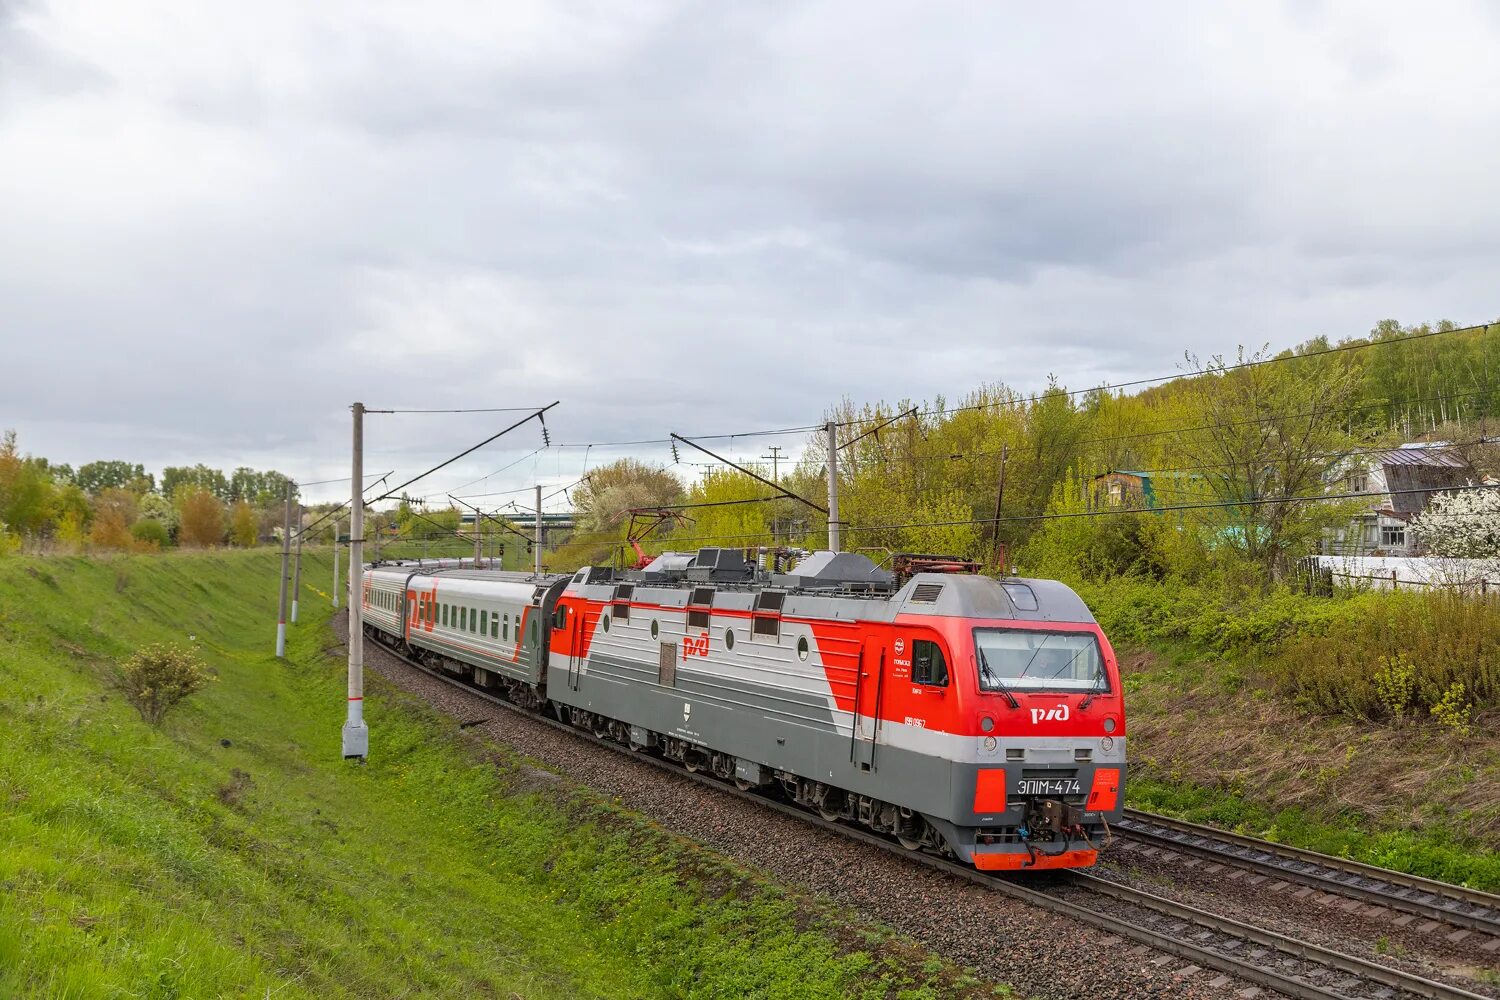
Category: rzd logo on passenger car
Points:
column 1058, row 713
column 694, row 647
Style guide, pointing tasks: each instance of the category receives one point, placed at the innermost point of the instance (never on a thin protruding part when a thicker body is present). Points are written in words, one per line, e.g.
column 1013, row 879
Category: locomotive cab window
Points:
column 1037, row 660
column 927, row 664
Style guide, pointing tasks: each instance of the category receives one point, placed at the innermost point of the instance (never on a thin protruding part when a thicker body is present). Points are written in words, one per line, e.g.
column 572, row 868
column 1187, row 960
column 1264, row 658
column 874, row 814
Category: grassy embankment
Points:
column 230, row 853
column 1278, row 717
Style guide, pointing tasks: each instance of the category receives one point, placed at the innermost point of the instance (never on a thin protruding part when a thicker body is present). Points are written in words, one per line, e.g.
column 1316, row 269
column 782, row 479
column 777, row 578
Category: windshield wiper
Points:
column 986, row 672
column 1034, row 654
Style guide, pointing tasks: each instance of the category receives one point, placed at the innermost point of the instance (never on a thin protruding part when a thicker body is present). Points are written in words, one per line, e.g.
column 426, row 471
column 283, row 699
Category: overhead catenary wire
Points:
column 1060, row 515
column 1249, row 421
column 481, row 479
column 537, row 415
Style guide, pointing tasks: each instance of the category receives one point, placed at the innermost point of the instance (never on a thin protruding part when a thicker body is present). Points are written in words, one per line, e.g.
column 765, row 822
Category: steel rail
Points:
column 1169, row 940
column 1452, row 904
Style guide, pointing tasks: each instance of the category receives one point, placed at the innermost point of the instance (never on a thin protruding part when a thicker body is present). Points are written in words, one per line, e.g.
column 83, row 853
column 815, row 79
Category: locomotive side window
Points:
column 927, row 664
column 505, row 628
column 494, row 624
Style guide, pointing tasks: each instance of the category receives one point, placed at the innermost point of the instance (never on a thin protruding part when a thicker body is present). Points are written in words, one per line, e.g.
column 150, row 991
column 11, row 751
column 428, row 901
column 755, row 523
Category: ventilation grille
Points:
column 702, row 595
column 622, row 612
column 769, row 600
column 765, row 625
column 624, row 591
column 926, row 593
column 697, row 619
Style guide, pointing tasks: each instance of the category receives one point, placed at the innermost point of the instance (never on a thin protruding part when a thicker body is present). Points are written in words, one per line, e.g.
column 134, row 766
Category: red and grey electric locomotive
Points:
column 956, row 712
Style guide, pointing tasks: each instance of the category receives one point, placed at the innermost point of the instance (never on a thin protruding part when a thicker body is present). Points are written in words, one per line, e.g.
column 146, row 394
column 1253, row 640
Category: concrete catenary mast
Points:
column 356, row 735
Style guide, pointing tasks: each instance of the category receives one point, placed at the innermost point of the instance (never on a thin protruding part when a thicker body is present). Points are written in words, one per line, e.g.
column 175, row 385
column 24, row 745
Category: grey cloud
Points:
column 223, row 229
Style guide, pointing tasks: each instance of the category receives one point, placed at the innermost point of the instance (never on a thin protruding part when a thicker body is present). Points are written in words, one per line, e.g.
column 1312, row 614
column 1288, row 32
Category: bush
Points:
column 1380, row 654
column 151, row 532
column 159, row 676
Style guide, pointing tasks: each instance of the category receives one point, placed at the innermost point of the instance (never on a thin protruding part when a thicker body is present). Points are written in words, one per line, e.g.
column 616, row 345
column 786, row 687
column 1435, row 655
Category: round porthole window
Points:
column 729, row 638
column 802, row 648
column 606, row 623
column 654, row 629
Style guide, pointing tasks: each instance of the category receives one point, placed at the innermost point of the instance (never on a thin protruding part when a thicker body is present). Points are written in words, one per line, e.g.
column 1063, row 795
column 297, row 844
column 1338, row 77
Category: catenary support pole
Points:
column 537, row 545
column 833, row 486
column 297, row 563
column 286, row 551
column 356, row 735
column 335, row 564
column 999, row 501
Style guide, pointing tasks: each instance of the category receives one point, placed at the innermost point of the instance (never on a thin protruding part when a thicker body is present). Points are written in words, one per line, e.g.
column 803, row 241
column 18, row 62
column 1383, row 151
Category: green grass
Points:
column 1211, row 744
column 231, row 853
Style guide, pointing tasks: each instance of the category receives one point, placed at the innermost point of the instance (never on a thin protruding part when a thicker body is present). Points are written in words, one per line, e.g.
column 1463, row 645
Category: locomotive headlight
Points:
column 987, row 724
column 989, row 743
column 1107, row 743
column 1109, row 723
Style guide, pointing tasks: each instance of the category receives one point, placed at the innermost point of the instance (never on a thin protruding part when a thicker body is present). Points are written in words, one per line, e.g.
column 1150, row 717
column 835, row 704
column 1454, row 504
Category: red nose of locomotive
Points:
column 1047, row 736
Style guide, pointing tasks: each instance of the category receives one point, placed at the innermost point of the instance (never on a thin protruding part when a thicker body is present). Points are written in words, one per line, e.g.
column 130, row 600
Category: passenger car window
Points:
column 927, row 664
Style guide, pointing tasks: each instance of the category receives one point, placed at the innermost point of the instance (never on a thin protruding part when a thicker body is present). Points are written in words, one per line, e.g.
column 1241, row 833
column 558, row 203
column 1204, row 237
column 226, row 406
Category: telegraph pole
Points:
column 1000, row 499
column 297, row 573
column 356, row 735
column 335, row 564
column 775, row 458
column 833, row 486
column 286, row 551
column 537, row 546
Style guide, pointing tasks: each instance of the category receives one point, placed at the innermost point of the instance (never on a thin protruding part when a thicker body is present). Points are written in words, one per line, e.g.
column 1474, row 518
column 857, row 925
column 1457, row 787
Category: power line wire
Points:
column 1240, row 366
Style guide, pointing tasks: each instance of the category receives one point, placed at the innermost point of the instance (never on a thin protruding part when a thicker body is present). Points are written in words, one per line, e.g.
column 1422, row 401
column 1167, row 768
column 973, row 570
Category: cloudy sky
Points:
column 222, row 223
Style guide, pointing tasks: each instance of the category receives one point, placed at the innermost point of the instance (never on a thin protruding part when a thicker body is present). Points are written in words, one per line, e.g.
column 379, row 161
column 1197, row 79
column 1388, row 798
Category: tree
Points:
column 1265, row 440
column 111, row 531
column 243, row 525
column 622, row 484
column 1462, row 525
column 202, row 519
column 95, row 477
column 176, row 479
column 26, row 488
column 155, row 507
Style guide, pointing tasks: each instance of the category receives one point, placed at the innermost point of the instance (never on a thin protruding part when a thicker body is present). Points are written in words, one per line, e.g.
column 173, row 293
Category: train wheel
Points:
column 743, row 785
column 910, row 845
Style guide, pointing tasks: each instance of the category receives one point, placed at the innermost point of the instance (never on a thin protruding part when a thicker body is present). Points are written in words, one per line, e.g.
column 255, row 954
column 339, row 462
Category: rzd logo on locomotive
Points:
column 1058, row 713
column 694, row 647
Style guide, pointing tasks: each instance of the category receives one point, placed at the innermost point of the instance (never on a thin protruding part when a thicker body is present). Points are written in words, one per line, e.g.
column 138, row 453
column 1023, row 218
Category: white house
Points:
column 1399, row 483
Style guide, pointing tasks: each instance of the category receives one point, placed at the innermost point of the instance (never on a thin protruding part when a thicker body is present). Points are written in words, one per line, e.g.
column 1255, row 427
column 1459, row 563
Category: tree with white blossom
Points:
column 1463, row 525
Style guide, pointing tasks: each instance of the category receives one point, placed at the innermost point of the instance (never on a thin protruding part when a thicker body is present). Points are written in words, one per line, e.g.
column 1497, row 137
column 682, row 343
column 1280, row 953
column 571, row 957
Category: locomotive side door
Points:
column 867, row 689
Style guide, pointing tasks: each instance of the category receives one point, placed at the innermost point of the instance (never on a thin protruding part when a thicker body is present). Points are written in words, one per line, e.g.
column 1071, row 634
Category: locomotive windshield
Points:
column 1030, row 660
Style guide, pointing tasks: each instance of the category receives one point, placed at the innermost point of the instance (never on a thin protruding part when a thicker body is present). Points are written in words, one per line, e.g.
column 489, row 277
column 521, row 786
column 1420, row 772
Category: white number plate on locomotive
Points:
column 1049, row 786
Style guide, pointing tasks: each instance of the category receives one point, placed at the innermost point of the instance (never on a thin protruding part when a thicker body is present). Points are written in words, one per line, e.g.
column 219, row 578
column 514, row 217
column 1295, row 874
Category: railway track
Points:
column 1467, row 909
column 1204, row 940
